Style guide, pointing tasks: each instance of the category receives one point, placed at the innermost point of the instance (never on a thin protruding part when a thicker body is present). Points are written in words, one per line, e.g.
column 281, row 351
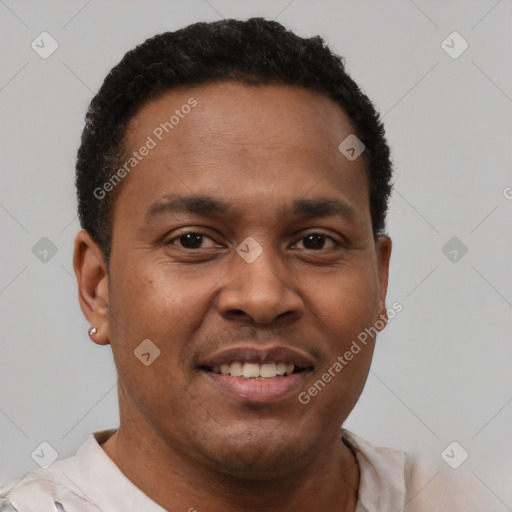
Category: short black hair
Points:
column 255, row 51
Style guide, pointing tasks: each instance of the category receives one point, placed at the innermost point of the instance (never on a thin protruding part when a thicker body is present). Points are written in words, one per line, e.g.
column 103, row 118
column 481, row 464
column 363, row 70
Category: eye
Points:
column 191, row 240
column 316, row 241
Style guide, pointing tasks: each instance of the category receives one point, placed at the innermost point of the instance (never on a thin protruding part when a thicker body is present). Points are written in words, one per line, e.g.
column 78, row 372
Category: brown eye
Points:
column 191, row 240
column 316, row 241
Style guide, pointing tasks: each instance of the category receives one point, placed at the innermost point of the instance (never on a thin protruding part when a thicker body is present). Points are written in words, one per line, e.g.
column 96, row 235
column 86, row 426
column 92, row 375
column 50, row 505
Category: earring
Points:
column 92, row 331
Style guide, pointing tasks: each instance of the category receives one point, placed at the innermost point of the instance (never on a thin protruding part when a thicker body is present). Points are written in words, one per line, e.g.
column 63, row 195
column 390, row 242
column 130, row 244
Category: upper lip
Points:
column 258, row 354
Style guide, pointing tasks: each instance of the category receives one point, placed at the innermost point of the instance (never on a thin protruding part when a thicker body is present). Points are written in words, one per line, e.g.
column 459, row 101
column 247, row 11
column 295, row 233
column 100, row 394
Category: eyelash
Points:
column 200, row 233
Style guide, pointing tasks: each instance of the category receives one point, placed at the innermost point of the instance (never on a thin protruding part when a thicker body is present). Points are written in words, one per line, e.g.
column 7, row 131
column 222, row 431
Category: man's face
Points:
column 188, row 279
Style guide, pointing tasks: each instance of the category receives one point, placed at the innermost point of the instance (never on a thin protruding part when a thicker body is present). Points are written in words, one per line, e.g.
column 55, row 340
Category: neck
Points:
column 329, row 480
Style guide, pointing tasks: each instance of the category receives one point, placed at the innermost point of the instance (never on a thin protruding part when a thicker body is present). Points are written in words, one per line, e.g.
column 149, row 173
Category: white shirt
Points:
column 389, row 482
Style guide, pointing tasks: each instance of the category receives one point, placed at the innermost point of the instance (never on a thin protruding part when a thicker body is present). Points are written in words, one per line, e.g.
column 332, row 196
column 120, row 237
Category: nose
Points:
column 261, row 291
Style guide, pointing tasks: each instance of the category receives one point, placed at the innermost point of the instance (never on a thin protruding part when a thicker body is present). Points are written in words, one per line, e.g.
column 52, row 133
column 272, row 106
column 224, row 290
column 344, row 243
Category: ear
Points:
column 92, row 278
column 383, row 247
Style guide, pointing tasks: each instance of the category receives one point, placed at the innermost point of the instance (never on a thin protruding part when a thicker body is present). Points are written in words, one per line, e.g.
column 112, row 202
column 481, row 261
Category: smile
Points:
column 255, row 370
column 256, row 374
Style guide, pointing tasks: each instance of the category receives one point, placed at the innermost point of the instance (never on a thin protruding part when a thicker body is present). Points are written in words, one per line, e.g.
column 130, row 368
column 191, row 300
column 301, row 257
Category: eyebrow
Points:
column 207, row 205
column 173, row 203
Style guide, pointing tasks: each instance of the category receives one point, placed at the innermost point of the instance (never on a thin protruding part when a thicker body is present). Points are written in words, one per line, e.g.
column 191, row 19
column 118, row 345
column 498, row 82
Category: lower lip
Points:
column 258, row 391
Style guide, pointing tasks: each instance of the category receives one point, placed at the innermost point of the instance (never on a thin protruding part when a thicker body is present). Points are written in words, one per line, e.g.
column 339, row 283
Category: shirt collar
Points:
column 382, row 475
column 94, row 472
column 381, row 485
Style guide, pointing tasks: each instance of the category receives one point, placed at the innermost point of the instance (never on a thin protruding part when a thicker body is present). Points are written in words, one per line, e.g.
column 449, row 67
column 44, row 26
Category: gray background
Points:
column 442, row 367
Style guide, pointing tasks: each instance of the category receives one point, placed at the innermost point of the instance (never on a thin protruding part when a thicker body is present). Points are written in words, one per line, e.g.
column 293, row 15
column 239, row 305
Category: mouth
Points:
column 255, row 371
column 257, row 375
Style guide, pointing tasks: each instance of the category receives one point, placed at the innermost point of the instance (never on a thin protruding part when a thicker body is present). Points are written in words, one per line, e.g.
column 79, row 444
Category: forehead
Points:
column 233, row 113
column 244, row 143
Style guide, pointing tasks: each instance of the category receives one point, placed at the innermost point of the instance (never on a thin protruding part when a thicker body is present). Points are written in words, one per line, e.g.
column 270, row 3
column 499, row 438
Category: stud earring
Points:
column 92, row 331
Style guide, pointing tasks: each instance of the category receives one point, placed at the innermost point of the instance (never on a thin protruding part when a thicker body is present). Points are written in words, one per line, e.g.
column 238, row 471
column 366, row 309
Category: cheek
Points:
column 346, row 302
column 145, row 296
column 346, row 313
column 154, row 303
column 148, row 316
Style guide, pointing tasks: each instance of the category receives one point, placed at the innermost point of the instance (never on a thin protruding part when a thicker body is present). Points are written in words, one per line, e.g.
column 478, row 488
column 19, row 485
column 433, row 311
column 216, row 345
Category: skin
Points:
column 181, row 440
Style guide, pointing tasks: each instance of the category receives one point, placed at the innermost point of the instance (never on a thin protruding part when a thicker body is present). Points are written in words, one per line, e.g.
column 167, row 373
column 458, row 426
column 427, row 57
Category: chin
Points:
column 257, row 454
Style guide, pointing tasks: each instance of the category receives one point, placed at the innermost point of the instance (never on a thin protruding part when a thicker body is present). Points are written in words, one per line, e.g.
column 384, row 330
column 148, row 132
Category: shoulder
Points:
column 62, row 483
column 433, row 485
column 419, row 482
column 39, row 490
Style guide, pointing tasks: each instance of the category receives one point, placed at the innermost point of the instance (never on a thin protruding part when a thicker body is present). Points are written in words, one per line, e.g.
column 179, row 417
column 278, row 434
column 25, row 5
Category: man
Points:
column 233, row 185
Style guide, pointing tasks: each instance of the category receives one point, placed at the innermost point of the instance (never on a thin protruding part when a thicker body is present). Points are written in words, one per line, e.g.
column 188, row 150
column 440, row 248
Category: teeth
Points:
column 268, row 370
column 251, row 370
column 255, row 370
column 236, row 369
column 280, row 368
